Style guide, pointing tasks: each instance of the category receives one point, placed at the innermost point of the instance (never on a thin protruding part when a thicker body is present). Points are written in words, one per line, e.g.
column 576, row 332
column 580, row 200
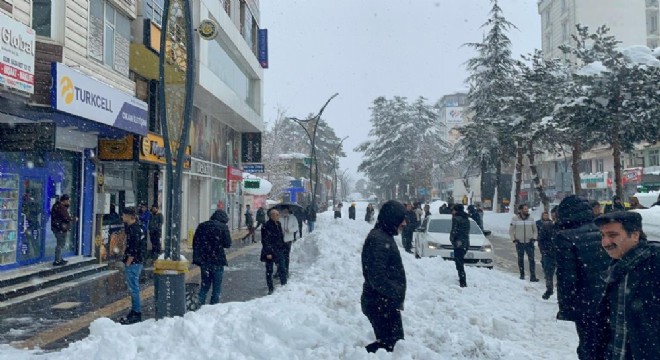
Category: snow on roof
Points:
column 264, row 185
column 291, row 156
column 640, row 55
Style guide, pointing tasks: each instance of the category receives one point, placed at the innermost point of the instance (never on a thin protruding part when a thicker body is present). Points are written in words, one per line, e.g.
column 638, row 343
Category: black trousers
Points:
column 590, row 344
column 407, row 238
column 279, row 258
column 549, row 264
column 459, row 260
column 386, row 323
column 522, row 249
column 154, row 237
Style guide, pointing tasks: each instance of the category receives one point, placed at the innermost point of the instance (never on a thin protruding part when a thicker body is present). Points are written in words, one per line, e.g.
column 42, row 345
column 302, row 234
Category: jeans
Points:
column 310, row 225
column 211, row 276
column 279, row 258
column 459, row 260
column 60, row 237
column 549, row 264
column 132, row 273
column 522, row 249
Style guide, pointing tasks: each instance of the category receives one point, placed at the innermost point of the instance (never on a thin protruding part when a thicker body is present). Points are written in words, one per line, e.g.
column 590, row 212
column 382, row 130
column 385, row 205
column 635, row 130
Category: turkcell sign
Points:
column 80, row 95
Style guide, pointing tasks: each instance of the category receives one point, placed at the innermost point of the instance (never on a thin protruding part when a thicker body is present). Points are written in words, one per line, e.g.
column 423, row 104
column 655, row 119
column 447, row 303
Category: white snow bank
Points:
column 317, row 315
column 640, row 55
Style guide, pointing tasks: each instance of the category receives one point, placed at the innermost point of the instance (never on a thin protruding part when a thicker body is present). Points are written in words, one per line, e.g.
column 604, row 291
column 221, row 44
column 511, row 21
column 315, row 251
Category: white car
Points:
column 432, row 239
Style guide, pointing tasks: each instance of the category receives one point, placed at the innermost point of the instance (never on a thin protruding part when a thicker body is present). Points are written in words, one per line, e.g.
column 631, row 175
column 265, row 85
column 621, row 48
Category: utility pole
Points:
column 312, row 139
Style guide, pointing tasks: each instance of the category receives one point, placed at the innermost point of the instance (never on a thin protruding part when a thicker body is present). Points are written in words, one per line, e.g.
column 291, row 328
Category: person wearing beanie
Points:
column 211, row 239
column 629, row 312
column 460, row 239
column 384, row 289
column 581, row 262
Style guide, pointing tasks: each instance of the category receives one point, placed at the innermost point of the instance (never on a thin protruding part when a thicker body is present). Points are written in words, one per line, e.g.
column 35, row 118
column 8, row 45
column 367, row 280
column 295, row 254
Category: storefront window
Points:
column 218, row 195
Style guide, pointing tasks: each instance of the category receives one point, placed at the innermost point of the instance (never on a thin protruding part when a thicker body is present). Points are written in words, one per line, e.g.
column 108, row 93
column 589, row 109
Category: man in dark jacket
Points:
column 351, row 211
column 412, row 224
column 211, row 239
column 310, row 216
column 460, row 239
column 581, row 262
column 546, row 233
column 384, row 289
column 136, row 250
column 261, row 217
column 249, row 223
column 273, row 249
column 616, row 205
column 155, row 231
column 474, row 214
column 630, row 310
column 60, row 224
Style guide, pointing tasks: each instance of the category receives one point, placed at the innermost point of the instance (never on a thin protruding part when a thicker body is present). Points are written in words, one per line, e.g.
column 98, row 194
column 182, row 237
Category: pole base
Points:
column 170, row 288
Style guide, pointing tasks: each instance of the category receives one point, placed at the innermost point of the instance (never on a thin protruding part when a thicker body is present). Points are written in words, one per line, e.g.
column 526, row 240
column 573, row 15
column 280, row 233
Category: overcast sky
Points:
column 363, row 49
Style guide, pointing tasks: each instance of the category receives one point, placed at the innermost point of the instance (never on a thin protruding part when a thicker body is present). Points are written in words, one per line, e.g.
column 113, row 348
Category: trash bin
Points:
column 170, row 288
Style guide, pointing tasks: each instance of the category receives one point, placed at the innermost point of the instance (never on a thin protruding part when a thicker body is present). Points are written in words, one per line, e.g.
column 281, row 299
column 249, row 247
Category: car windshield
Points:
column 444, row 226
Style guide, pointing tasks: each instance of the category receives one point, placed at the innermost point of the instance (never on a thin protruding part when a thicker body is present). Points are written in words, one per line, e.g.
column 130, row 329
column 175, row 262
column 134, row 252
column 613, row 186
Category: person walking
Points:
column 136, row 250
column 289, row 228
column 249, row 223
column 546, row 230
column 581, row 261
column 273, row 248
column 412, row 224
column 384, row 288
column 310, row 215
column 523, row 233
column 155, row 231
column 211, row 239
column 338, row 211
column 261, row 217
column 60, row 225
column 369, row 215
column 629, row 311
column 460, row 240
column 299, row 213
column 351, row 211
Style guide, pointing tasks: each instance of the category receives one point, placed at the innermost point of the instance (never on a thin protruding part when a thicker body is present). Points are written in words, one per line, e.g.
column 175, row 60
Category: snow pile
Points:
column 640, row 55
column 317, row 315
column 651, row 222
column 594, row 69
column 498, row 223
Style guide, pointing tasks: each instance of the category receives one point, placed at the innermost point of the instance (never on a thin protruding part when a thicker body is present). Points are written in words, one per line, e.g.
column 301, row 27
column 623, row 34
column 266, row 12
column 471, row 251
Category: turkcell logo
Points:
column 67, row 89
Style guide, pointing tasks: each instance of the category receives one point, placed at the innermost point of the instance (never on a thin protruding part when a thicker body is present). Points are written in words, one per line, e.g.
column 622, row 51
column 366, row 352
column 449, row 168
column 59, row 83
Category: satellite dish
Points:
column 208, row 29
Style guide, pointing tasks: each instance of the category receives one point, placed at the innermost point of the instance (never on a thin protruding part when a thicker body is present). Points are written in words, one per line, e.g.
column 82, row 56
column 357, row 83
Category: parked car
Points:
column 432, row 239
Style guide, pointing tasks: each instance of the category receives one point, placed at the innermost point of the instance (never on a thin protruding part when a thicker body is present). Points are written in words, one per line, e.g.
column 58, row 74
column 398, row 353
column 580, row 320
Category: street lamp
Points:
column 334, row 166
column 312, row 140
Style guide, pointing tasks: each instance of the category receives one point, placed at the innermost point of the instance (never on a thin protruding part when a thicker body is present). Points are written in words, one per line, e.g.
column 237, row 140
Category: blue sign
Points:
column 296, row 183
column 421, row 191
column 254, row 168
column 263, row 48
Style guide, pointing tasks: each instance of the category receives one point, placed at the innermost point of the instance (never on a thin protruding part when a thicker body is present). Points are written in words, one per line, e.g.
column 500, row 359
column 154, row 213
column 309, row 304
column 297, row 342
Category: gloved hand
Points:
column 516, row 242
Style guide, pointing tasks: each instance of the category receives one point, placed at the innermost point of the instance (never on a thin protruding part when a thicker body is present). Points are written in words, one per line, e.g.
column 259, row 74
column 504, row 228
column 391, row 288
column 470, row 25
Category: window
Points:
column 547, row 17
column 46, row 18
column 153, row 9
column 654, row 157
column 600, row 165
column 652, row 22
column 109, row 36
column 227, row 6
column 564, row 31
column 652, row 3
column 444, row 226
column 548, row 43
column 585, row 166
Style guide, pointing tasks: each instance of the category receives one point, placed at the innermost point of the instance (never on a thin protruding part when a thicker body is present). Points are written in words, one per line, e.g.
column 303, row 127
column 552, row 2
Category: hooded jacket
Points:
column 581, row 260
column 211, row 239
column 272, row 240
column 384, row 276
column 460, row 230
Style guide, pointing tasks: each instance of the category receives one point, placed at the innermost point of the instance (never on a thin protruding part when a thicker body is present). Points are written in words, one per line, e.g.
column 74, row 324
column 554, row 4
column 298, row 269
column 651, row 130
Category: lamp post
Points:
column 334, row 166
column 312, row 140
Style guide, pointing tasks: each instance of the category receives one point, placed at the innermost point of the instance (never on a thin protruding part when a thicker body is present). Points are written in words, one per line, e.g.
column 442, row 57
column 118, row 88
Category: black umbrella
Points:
column 292, row 207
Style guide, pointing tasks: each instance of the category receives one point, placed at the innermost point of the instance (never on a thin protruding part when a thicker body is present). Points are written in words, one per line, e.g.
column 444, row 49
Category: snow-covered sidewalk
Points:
column 317, row 315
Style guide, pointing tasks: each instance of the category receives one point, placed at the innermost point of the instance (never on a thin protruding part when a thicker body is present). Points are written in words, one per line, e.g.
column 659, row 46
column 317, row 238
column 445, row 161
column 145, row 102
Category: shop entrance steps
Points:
column 41, row 279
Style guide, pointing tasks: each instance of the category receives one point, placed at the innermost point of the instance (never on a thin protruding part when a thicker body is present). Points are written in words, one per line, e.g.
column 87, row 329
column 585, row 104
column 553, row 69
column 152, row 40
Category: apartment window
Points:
column 585, row 166
column 248, row 26
column 547, row 17
column 564, row 31
column 227, row 6
column 600, row 165
column 47, row 18
column 652, row 3
column 153, row 9
column 654, row 157
column 652, row 22
column 548, row 43
column 109, row 36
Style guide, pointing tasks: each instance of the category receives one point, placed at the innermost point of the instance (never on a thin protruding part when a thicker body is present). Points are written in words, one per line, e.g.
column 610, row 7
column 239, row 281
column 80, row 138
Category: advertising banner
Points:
column 454, row 115
column 251, row 147
column 17, row 49
column 594, row 180
column 80, row 95
column 263, row 48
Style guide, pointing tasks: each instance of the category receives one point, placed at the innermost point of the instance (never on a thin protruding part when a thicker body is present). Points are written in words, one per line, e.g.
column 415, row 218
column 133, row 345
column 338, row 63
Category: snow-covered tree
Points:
column 487, row 138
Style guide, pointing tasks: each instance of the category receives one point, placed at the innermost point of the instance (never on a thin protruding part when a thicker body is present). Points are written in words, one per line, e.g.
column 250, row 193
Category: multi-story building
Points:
column 451, row 109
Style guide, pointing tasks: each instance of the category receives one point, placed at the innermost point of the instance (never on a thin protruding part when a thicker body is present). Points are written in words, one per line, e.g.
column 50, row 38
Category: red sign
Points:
column 234, row 174
column 632, row 175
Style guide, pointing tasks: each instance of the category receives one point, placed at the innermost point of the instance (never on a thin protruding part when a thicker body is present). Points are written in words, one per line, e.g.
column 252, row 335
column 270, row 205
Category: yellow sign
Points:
column 152, row 149
column 67, row 89
column 116, row 149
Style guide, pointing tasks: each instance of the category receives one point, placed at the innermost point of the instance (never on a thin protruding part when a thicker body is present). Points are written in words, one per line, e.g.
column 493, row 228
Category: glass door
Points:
column 32, row 219
column 8, row 217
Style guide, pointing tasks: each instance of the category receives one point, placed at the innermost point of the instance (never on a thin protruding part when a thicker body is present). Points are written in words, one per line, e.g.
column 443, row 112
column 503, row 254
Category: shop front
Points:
column 206, row 192
column 597, row 185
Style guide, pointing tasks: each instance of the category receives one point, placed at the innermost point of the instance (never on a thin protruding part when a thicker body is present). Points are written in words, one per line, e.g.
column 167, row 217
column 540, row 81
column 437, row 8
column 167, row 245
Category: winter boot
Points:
column 547, row 294
column 373, row 347
column 132, row 318
column 533, row 279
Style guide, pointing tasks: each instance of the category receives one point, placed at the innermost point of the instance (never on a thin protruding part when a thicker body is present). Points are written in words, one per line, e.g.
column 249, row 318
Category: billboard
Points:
column 454, row 115
column 17, row 49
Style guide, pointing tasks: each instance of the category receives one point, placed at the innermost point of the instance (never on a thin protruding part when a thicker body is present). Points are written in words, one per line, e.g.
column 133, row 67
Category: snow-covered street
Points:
column 317, row 315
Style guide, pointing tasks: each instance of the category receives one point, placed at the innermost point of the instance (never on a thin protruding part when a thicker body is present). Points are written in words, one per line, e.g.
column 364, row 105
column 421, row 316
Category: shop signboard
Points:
column 454, row 115
column 80, row 95
column 17, row 50
column 251, row 147
column 152, row 150
column 594, row 180
column 27, row 137
column 632, row 176
column 254, row 168
column 117, row 149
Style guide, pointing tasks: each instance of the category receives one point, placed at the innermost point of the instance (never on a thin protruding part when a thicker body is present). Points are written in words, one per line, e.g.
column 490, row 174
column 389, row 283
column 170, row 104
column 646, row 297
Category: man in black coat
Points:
column 384, row 289
column 273, row 249
column 261, row 217
column 460, row 239
column 630, row 310
column 351, row 211
column 310, row 217
column 546, row 233
column 211, row 239
column 581, row 262
column 412, row 224
column 134, row 255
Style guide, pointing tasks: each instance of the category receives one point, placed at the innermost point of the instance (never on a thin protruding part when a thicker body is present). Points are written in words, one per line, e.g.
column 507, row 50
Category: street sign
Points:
column 254, row 168
column 308, row 161
column 251, row 184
